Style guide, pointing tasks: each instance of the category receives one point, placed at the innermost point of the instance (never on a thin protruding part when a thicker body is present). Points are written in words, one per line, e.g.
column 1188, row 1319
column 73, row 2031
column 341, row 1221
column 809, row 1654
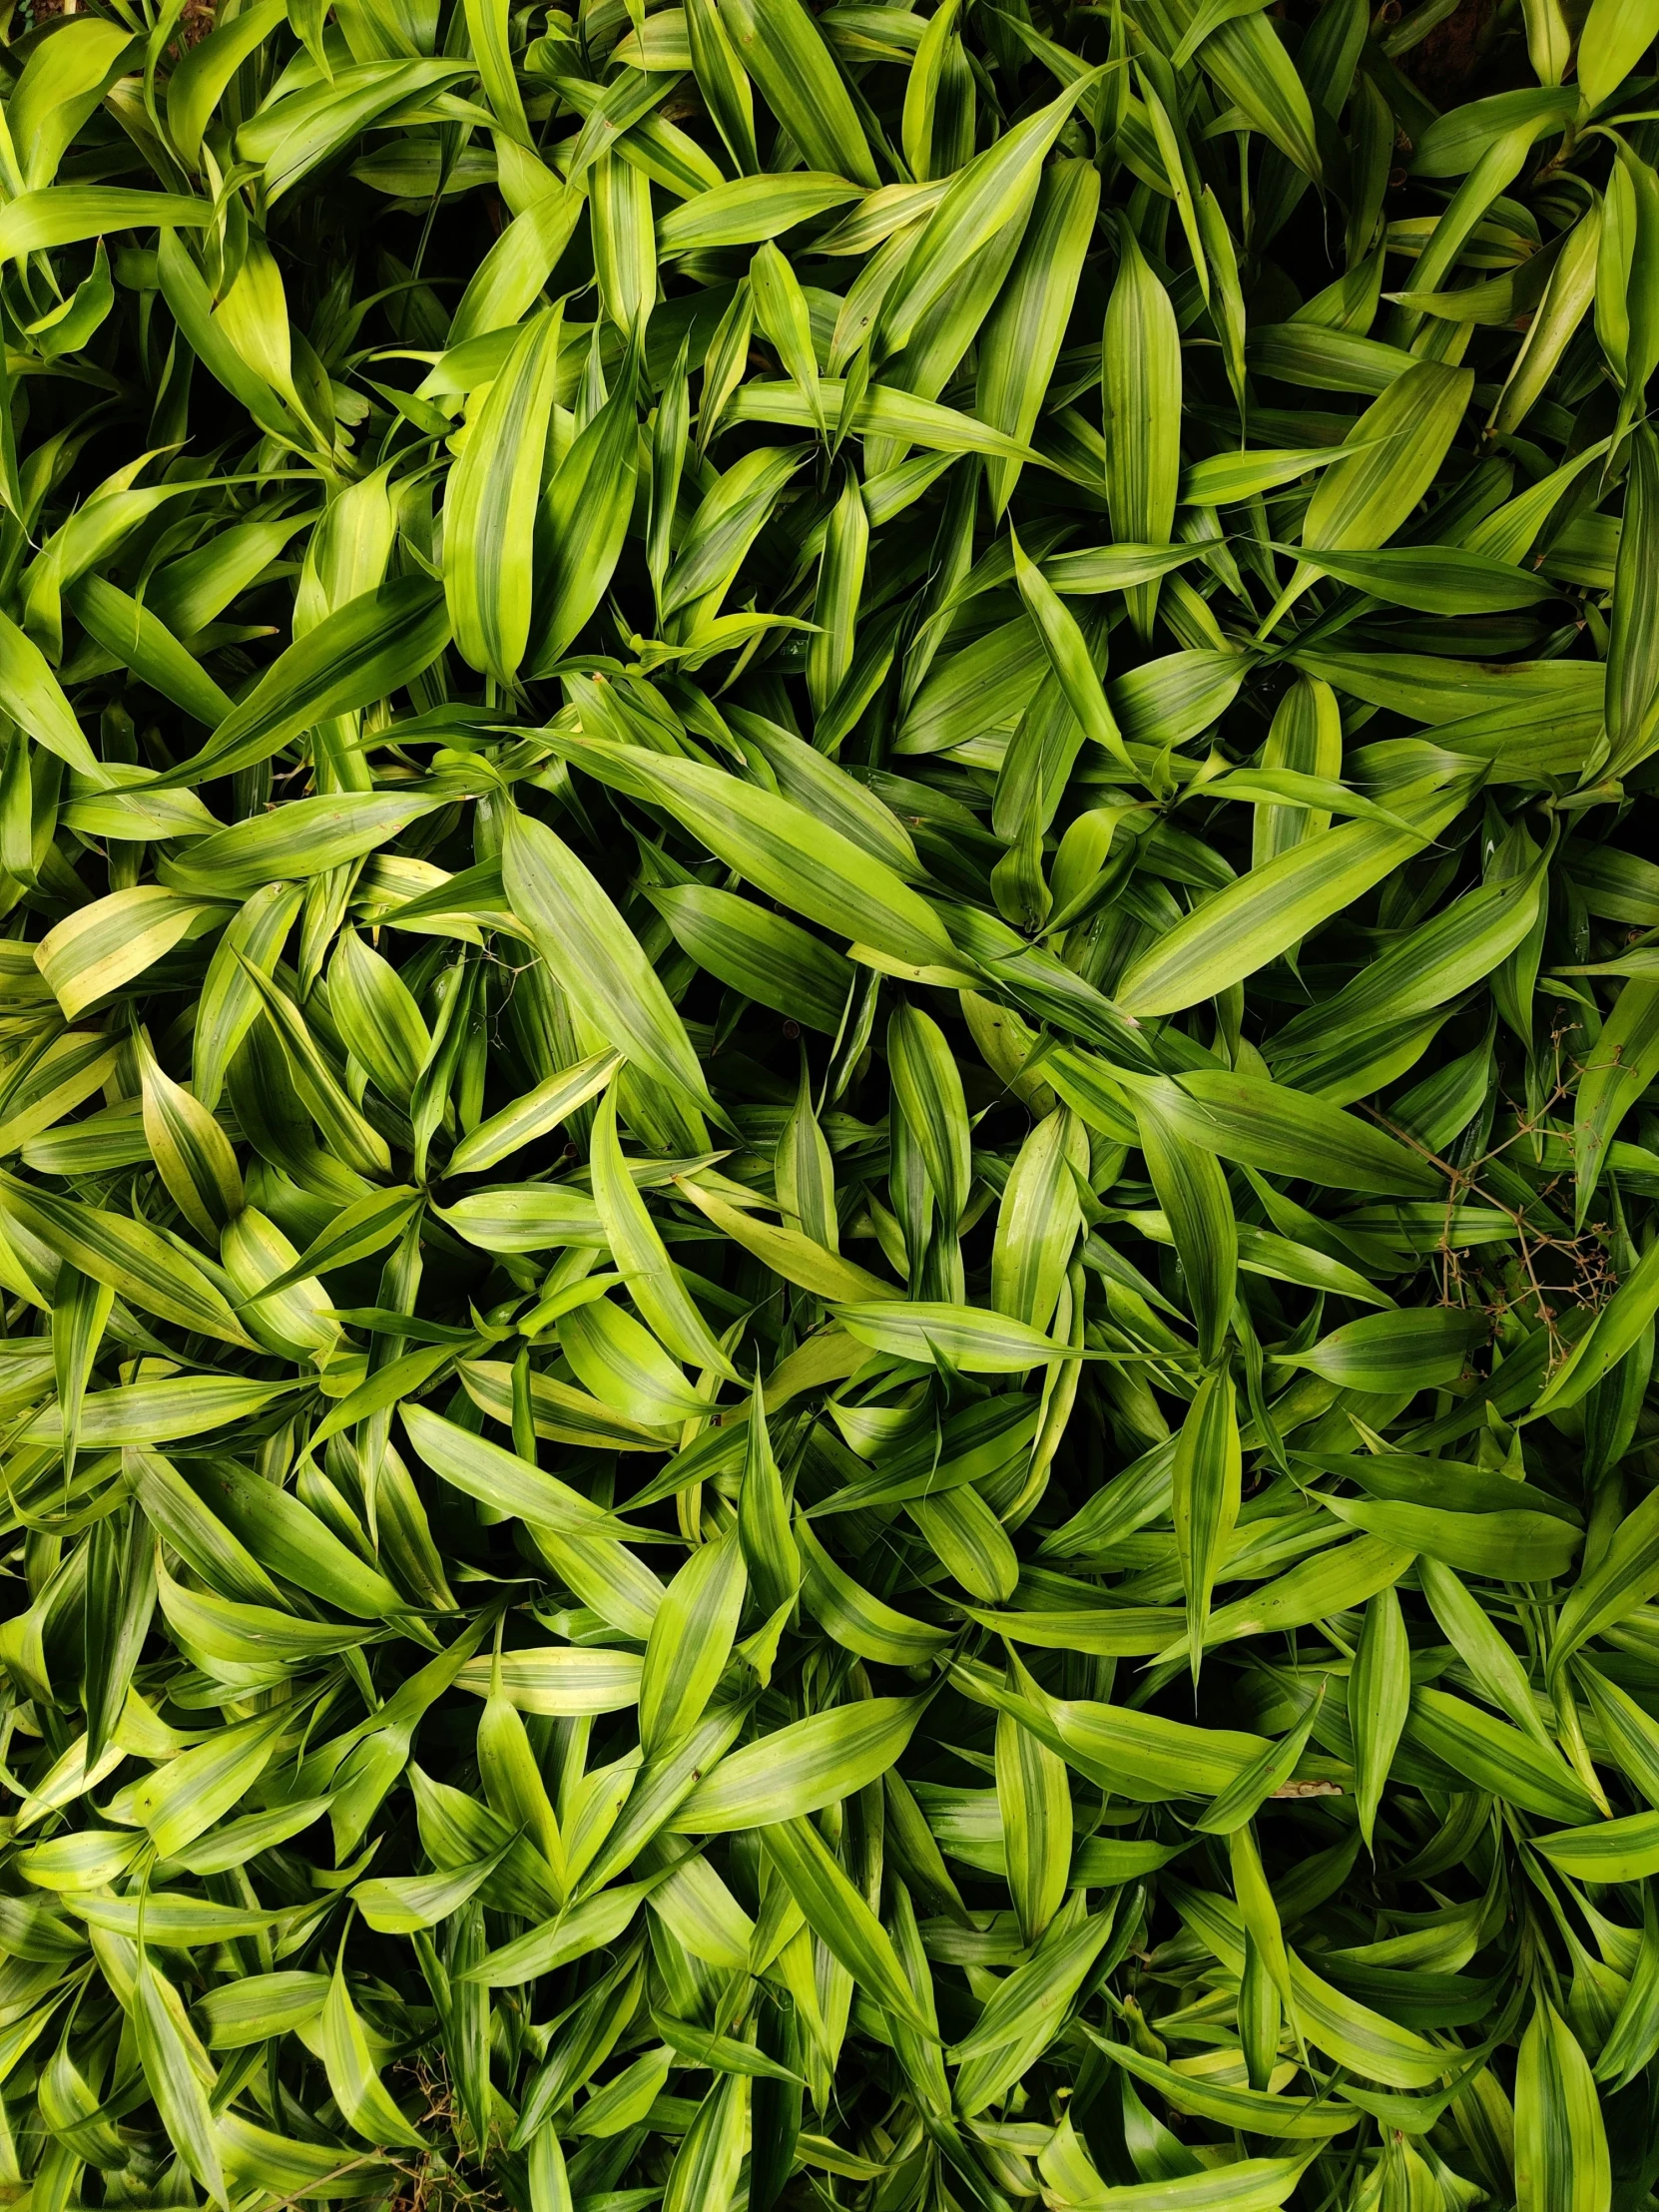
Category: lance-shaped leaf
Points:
column 1561, row 2152
column 777, row 845
column 840, row 1919
column 364, row 651
column 1399, row 441
column 690, row 1639
column 489, row 511
column 597, row 956
column 136, row 1262
column 654, row 1283
column 353, row 2076
column 1141, row 408
column 180, row 2076
column 801, row 1767
column 1206, row 1494
column 1621, row 1065
column 1068, row 654
column 1261, row 914
column 1192, row 1191
column 584, row 516
column 502, row 1481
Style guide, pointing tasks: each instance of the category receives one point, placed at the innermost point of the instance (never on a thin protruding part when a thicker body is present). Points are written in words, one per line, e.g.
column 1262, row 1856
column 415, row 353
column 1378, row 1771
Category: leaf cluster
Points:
column 829, row 1009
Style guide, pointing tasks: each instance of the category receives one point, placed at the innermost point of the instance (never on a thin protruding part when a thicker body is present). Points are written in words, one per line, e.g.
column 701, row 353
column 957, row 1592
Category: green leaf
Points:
column 572, row 923
column 490, row 507
column 777, row 848
column 1205, row 1502
column 801, row 1767
column 840, row 1918
column 1239, row 930
column 137, row 1263
column 364, row 651
column 1494, row 1755
column 179, row 2074
column 1389, row 1352
column 1561, row 2153
column 1141, row 405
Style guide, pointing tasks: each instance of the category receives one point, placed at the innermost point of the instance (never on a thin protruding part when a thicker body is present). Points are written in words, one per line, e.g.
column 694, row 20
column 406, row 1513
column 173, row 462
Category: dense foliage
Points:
column 826, row 1172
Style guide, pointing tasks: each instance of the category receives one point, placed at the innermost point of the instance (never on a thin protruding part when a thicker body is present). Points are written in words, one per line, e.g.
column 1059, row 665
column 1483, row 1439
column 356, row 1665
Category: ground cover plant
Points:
column 829, row 982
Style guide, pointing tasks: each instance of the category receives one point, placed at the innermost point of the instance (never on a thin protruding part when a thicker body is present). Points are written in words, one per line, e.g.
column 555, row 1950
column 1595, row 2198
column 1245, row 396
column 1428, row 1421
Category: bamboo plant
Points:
column 828, row 1008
